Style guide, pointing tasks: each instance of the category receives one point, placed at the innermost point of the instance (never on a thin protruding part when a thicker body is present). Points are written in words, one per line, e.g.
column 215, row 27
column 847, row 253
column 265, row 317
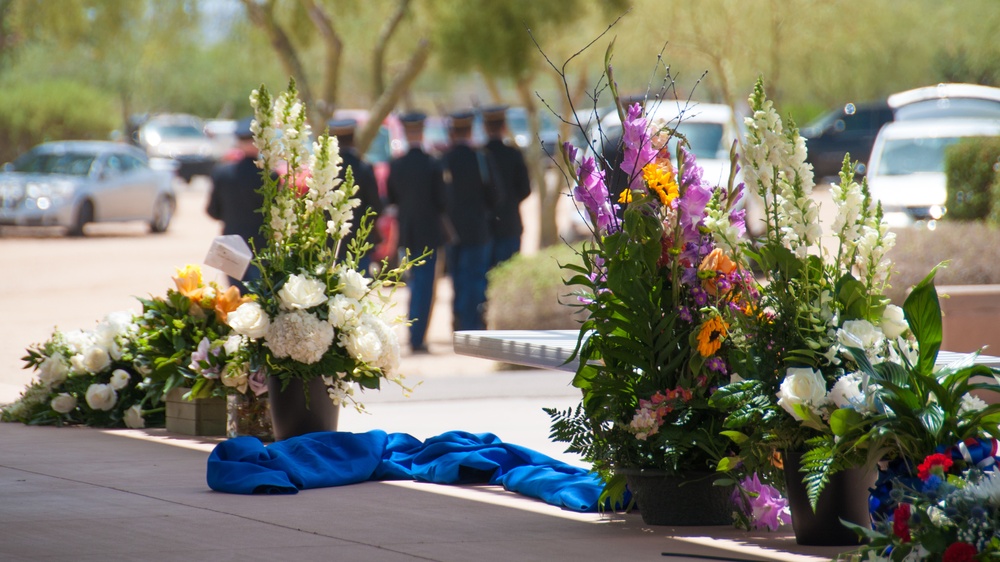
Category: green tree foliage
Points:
column 52, row 110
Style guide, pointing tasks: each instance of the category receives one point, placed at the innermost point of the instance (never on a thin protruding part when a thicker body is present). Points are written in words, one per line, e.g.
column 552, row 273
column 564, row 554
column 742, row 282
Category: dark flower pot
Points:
column 294, row 411
column 844, row 497
column 686, row 500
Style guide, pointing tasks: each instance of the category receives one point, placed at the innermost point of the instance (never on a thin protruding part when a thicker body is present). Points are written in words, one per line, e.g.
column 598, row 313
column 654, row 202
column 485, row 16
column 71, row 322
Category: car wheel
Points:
column 84, row 215
column 163, row 211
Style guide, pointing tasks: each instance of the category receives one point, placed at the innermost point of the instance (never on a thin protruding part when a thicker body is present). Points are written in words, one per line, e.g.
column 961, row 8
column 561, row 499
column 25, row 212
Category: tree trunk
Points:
column 262, row 15
column 378, row 57
column 548, row 196
column 334, row 48
column 389, row 98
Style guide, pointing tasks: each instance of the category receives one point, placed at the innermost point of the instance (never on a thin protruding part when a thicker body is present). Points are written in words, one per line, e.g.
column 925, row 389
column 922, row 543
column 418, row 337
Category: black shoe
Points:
column 419, row 350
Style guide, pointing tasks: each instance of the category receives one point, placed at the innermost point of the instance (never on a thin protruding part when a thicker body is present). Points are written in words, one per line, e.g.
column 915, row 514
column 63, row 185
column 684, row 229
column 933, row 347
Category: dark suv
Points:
column 849, row 129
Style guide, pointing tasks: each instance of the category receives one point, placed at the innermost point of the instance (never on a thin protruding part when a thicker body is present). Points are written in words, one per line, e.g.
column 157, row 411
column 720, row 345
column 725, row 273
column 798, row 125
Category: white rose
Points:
column 236, row 376
column 63, row 403
column 301, row 291
column 53, row 371
column 846, row 392
column 133, row 418
column 859, row 333
column 249, row 319
column 363, row 343
column 101, row 397
column 120, row 379
column 893, row 322
column 343, row 311
column 353, row 284
column 95, row 359
column 802, row 385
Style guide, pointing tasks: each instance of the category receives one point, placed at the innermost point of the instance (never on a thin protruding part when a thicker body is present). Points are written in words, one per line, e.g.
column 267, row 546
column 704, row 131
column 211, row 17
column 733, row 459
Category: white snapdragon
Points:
column 325, row 165
column 265, row 135
column 300, row 336
column 302, row 291
column 802, row 386
column 874, row 266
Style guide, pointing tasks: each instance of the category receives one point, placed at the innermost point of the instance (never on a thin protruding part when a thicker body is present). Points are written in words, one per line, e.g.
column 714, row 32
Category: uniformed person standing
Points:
column 472, row 199
column 364, row 178
column 235, row 199
column 512, row 182
column 416, row 188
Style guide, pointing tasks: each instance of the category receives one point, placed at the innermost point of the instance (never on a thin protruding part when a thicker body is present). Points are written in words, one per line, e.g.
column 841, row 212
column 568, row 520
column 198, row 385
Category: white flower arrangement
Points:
column 310, row 315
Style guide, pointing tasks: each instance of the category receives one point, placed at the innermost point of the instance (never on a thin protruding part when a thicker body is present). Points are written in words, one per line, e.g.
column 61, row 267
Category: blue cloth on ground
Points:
column 244, row 465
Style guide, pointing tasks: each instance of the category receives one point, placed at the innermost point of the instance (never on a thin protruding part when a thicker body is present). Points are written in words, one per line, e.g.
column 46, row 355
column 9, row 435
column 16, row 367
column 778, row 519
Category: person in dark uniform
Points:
column 512, row 182
column 416, row 187
column 472, row 199
column 236, row 199
column 364, row 178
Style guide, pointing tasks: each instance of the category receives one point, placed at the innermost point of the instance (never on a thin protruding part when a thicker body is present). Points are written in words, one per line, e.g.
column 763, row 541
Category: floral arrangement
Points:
column 802, row 387
column 182, row 339
column 88, row 377
column 310, row 316
column 661, row 290
column 949, row 512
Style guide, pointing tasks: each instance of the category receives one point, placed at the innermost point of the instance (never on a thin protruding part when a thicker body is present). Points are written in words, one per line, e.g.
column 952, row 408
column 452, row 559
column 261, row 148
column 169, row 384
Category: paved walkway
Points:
column 87, row 494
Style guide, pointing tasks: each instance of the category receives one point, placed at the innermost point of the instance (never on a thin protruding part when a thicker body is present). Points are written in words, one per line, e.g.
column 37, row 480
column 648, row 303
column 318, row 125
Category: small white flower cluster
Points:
column 90, row 352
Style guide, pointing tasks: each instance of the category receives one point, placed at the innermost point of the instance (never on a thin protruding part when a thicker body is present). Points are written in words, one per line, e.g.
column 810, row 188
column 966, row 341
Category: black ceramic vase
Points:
column 687, row 500
column 299, row 409
column 844, row 497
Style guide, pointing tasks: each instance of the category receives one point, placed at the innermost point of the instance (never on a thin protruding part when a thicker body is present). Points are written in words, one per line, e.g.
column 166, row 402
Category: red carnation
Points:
column 901, row 522
column 931, row 462
column 959, row 552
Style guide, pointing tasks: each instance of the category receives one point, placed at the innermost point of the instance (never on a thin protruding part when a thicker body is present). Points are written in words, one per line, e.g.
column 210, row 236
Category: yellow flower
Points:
column 188, row 282
column 625, row 196
column 660, row 178
column 710, row 337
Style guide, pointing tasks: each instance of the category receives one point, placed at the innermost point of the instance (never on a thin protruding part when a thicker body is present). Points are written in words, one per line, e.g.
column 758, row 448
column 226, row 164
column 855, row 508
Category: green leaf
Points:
column 923, row 313
column 843, row 420
column 736, row 436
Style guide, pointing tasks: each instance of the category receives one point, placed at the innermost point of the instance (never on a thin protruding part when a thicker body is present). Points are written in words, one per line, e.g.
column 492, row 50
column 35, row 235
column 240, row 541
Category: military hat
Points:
column 342, row 126
column 461, row 120
column 495, row 114
column 243, row 130
column 413, row 120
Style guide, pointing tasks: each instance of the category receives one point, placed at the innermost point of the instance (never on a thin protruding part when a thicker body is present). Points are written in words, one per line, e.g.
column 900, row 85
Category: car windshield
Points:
column 176, row 131
column 949, row 108
column 912, row 156
column 67, row 163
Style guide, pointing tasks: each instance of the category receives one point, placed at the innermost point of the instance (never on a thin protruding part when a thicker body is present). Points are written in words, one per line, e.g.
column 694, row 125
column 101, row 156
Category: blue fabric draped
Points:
column 244, row 465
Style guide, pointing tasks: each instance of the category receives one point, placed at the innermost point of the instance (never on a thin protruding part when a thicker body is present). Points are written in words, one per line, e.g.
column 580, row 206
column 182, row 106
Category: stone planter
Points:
column 970, row 315
column 204, row 416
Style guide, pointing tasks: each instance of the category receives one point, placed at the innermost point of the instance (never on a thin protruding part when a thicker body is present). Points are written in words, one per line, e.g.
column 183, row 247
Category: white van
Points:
column 906, row 170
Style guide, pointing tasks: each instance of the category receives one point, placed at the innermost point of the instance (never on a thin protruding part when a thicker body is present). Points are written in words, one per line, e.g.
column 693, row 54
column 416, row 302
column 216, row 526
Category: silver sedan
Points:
column 73, row 183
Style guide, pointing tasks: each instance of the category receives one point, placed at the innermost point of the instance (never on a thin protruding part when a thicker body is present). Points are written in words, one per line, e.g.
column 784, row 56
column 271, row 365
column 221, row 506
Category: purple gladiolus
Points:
column 638, row 148
column 593, row 193
column 763, row 504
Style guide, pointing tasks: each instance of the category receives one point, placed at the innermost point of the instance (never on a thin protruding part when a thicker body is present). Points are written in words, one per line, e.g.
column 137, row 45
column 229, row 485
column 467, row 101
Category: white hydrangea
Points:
column 299, row 335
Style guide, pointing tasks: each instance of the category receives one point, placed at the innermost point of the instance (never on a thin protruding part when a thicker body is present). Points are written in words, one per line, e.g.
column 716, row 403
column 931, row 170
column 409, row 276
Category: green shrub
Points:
column 52, row 110
column 970, row 170
column 971, row 248
column 527, row 292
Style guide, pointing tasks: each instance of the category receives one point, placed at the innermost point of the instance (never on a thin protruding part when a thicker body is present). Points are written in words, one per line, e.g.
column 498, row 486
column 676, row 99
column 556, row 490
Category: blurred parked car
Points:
column 73, row 183
column 548, row 134
column 906, row 170
column 958, row 101
column 182, row 139
column 850, row 129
